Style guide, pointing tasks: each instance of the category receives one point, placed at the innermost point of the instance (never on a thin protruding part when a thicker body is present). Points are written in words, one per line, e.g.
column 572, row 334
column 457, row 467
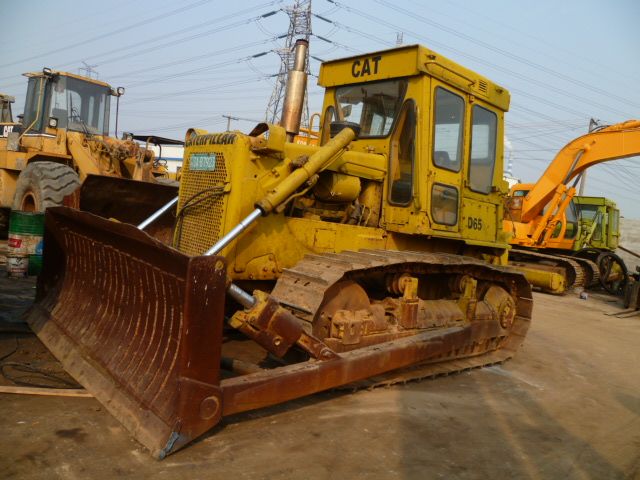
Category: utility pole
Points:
column 229, row 118
column 299, row 27
column 593, row 124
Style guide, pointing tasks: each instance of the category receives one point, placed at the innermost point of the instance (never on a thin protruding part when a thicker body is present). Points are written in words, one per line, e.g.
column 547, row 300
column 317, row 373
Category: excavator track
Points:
column 304, row 288
column 590, row 270
column 575, row 274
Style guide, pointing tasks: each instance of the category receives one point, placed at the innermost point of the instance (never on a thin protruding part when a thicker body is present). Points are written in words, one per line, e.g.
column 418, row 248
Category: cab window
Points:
column 448, row 125
column 571, row 228
column 615, row 222
column 374, row 106
column 444, row 204
column 483, row 149
column 32, row 116
column 402, row 156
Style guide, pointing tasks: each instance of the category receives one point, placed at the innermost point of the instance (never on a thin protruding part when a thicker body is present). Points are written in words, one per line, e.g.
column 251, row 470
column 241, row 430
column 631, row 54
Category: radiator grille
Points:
column 200, row 225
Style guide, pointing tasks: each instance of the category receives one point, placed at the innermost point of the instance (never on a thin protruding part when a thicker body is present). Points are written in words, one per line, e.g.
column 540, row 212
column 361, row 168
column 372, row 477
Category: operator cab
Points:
column 5, row 108
column 438, row 125
column 7, row 125
column 69, row 102
column 600, row 221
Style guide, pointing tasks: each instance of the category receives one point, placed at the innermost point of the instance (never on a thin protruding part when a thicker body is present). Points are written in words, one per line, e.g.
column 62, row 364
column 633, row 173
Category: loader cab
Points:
column 5, row 108
column 440, row 127
column 7, row 125
column 60, row 100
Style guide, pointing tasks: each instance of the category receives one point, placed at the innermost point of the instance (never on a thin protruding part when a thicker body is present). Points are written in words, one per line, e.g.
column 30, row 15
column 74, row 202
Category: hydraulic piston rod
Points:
column 157, row 214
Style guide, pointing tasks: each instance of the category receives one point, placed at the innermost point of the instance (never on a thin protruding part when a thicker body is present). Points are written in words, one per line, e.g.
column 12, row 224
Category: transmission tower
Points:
column 88, row 70
column 299, row 27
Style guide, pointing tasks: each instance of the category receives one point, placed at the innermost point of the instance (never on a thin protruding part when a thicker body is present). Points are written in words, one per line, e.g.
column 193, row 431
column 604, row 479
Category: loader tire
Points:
column 44, row 184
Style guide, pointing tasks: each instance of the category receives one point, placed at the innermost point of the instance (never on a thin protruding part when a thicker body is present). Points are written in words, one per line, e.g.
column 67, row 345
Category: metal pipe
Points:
column 296, row 90
column 237, row 230
column 243, row 298
column 117, row 112
column 573, row 166
column 157, row 214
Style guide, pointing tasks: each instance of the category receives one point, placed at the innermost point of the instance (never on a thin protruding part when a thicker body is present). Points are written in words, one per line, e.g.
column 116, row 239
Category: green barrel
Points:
column 25, row 237
column 26, row 223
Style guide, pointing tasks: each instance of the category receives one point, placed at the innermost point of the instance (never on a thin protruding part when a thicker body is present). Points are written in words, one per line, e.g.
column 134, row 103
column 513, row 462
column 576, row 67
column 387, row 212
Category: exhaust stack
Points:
column 296, row 88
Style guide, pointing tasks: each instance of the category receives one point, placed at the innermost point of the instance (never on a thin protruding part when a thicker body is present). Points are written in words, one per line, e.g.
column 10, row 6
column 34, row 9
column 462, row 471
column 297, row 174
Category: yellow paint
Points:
column 86, row 154
column 258, row 170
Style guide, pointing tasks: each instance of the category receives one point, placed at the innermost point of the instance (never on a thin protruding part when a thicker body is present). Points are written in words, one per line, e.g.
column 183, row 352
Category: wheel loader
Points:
column 64, row 137
column 291, row 268
column 542, row 222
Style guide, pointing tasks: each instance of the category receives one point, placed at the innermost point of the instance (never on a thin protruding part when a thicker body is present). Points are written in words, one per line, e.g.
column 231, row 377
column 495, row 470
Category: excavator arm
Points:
column 617, row 141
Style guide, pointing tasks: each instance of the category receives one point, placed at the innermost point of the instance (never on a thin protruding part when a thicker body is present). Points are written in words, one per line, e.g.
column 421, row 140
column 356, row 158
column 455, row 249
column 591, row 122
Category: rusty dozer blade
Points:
column 140, row 325
column 136, row 322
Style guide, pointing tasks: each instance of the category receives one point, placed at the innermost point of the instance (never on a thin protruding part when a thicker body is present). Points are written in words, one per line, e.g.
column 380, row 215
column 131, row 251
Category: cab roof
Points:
column 67, row 74
column 411, row 60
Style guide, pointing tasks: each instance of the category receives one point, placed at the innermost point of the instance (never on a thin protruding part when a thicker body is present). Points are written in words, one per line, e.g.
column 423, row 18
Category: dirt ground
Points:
column 567, row 406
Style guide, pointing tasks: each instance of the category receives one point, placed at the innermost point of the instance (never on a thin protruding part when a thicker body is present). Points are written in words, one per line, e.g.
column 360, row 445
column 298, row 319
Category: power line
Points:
column 140, row 23
column 456, row 51
column 505, row 53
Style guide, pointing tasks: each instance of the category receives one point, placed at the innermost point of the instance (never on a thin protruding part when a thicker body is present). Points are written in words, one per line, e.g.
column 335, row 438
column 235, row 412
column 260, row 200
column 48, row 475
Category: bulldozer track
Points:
column 303, row 289
column 575, row 273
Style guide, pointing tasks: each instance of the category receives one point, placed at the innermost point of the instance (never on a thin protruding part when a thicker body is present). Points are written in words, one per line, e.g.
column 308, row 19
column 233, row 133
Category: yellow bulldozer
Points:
column 289, row 268
column 63, row 137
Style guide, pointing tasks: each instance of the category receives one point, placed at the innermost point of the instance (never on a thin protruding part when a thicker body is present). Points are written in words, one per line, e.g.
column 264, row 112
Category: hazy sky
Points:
column 186, row 63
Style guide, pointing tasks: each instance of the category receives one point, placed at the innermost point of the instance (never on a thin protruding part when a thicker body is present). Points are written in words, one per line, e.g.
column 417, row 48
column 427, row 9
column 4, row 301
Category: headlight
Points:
column 53, row 122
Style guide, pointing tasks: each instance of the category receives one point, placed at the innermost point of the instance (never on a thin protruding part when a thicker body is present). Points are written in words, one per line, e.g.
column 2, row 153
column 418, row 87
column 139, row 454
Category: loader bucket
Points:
column 136, row 322
column 129, row 201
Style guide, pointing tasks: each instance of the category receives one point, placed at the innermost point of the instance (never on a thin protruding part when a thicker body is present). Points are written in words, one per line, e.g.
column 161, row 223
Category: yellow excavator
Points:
column 62, row 138
column 289, row 268
column 540, row 218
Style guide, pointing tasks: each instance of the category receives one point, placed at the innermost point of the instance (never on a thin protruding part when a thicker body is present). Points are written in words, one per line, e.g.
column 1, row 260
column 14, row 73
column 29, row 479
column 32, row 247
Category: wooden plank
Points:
column 54, row 392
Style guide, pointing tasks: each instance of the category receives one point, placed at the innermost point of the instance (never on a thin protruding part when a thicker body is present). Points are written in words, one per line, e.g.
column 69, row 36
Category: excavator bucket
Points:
column 136, row 322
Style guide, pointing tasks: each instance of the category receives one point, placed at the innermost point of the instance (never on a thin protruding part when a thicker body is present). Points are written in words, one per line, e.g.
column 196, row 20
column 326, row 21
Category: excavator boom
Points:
column 614, row 142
